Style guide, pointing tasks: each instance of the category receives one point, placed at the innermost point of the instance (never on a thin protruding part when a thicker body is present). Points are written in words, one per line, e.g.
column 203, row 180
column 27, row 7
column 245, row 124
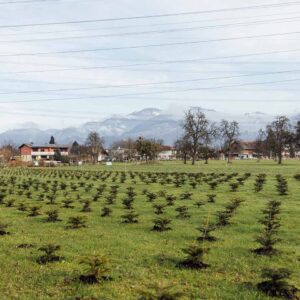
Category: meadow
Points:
column 131, row 222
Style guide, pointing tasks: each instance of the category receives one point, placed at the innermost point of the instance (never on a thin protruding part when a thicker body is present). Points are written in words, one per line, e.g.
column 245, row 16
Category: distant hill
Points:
column 149, row 122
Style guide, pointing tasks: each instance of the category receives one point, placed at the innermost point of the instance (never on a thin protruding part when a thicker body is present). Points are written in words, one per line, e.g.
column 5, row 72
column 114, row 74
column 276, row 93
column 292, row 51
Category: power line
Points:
column 150, row 83
column 151, row 24
column 157, row 62
column 152, row 93
column 25, row 1
column 274, row 5
column 150, row 45
column 161, row 31
column 29, row 2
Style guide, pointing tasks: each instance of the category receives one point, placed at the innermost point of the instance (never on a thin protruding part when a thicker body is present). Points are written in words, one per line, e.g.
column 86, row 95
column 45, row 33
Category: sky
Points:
column 66, row 62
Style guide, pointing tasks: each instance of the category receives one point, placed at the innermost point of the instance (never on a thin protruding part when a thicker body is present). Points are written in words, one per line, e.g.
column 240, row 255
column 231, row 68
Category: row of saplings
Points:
column 25, row 185
column 275, row 285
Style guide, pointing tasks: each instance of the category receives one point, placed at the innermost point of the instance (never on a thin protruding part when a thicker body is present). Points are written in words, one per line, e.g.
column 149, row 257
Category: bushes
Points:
column 130, row 217
column 271, row 223
column 34, row 211
column 276, row 285
column 106, row 211
column 281, row 186
column 297, row 176
column 160, row 291
column 52, row 216
column 161, row 224
column 205, row 233
column 182, row 212
column 97, row 269
column 223, row 217
column 159, row 209
column 156, row 202
column 211, row 198
column 50, row 255
column 76, row 222
column 194, row 257
column 259, row 182
column 3, row 229
column 86, row 206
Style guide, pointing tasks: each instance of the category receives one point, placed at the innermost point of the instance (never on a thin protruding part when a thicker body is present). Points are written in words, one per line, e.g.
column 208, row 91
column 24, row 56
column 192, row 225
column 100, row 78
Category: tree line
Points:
column 201, row 139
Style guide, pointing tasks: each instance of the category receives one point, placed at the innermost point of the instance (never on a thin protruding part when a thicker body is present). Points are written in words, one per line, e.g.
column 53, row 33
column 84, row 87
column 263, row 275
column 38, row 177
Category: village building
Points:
column 247, row 150
column 167, row 153
column 37, row 152
column 242, row 150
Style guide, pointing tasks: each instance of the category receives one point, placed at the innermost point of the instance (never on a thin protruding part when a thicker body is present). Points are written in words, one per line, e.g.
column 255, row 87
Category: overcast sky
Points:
column 207, row 54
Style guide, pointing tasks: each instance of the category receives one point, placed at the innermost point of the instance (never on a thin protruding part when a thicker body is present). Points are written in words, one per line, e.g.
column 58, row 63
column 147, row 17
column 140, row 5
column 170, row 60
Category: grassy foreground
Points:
column 138, row 255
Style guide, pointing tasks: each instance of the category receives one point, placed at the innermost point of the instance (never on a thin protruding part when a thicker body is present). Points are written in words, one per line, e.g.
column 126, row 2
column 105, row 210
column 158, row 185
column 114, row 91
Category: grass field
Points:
column 138, row 255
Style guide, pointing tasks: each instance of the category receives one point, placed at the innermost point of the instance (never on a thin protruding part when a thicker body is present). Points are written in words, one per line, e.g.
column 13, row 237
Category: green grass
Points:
column 140, row 256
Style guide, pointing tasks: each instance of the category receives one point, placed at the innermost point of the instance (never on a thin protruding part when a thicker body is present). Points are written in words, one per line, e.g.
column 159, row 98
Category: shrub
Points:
column 213, row 184
column 205, row 233
column 110, row 199
column 106, row 211
column 199, row 203
column 182, row 212
column 127, row 202
column 159, row 209
column 97, row 269
column 194, row 257
column 271, row 223
column 22, row 207
column 170, row 199
column 234, row 186
column 160, row 291
column 34, row 211
column 186, row 196
column 86, row 206
column 211, row 198
column 297, row 176
column 10, row 203
column 3, row 229
column 52, row 216
column 130, row 217
column 276, row 284
column 67, row 203
column 76, row 222
column 49, row 255
column 161, row 224
column 151, row 196
column 281, row 186
column 223, row 218
column 259, row 182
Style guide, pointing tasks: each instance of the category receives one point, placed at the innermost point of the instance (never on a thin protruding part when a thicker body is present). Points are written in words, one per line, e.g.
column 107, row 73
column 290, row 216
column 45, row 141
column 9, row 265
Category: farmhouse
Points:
column 167, row 153
column 36, row 152
column 247, row 150
column 243, row 150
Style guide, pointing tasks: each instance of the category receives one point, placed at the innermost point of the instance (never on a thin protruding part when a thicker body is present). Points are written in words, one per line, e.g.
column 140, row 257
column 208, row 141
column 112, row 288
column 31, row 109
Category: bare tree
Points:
column 128, row 146
column 210, row 132
column 148, row 148
column 278, row 135
column 183, row 147
column 194, row 126
column 95, row 145
column 260, row 144
column 230, row 133
column 7, row 151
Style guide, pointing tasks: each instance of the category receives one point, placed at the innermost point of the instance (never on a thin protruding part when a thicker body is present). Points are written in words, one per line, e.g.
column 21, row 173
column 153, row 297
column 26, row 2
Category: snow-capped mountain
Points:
column 149, row 122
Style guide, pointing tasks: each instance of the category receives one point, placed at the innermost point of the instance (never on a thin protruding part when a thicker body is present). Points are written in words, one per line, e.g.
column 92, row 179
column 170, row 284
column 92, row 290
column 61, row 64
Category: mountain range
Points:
column 149, row 122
